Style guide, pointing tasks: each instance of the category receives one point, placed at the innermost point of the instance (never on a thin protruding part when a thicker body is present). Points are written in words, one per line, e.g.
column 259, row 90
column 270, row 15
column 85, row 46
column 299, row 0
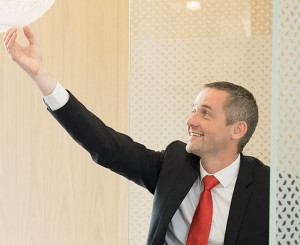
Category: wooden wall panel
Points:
column 50, row 190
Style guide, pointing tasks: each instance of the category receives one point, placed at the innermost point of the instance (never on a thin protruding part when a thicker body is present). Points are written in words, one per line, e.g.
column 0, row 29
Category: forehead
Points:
column 211, row 97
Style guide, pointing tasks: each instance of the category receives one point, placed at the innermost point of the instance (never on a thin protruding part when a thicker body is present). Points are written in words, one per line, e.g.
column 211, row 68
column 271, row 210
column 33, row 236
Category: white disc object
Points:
column 19, row 13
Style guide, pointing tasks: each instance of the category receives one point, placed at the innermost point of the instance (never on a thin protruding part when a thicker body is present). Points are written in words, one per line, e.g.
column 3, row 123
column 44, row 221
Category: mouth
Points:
column 195, row 134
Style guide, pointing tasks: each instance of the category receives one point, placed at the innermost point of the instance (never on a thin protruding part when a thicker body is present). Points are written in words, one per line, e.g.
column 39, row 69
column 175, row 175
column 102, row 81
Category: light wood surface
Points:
column 50, row 190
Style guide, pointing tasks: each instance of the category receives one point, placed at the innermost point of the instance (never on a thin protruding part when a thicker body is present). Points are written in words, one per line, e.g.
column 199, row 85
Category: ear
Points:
column 239, row 130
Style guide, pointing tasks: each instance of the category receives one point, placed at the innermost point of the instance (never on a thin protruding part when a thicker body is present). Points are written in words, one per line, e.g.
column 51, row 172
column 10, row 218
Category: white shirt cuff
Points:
column 58, row 98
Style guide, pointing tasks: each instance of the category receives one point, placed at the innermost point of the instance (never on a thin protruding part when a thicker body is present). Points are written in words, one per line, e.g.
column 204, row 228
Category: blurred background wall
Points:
column 285, row 124
column 50, row 190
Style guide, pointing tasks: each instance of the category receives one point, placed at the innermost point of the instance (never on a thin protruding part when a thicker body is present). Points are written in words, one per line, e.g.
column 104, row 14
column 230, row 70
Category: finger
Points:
column 7, row 32
column 11, row 45
column 29, row 35
column 8, row 51
column 12, row 31
column 12, row 41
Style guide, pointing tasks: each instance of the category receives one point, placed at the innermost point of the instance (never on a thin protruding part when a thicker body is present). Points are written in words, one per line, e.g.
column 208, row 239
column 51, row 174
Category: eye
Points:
column 193, row 111
column 206, row 114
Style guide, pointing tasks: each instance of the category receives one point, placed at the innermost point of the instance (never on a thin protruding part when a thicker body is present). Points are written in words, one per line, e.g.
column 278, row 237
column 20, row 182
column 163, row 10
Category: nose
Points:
column 193, row 120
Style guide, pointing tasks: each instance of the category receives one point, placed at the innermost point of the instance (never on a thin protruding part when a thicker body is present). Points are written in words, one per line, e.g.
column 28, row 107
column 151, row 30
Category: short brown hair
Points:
column 240, row 106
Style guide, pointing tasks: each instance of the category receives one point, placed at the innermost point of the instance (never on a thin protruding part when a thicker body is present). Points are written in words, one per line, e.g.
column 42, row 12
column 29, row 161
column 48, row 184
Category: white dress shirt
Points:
column 58, row 98
column 179, row 226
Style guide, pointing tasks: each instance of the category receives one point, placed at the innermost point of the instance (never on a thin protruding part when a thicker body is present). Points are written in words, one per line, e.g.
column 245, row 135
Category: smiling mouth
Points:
column 194, row 134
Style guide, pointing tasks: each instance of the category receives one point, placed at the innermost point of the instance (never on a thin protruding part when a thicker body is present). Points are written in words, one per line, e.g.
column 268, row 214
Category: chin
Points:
column 193, row 149
column 190, row 149
column 187, row 148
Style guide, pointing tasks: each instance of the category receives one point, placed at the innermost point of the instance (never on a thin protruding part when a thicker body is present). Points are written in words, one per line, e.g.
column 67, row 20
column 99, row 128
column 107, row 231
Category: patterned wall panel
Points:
column 172, row 19
column 288, row 209
column 289, row 86
column 288, row 182
column 174, row 52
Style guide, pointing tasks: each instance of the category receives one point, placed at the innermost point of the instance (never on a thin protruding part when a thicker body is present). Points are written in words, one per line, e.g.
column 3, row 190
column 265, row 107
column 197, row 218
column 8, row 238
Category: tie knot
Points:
column 210, row 182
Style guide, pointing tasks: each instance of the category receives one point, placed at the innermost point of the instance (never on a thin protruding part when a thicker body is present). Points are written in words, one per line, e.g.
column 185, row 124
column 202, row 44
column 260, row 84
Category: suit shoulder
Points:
column 256, row 163
column 261, row 172
column 177, row 144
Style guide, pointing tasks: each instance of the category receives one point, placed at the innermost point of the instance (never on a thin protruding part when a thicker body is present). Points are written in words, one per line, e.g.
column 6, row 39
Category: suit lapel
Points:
column 186, row 178
column 240, row 199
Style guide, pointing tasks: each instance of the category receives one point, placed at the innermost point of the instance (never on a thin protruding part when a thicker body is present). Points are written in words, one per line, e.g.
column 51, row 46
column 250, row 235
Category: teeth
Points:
column 194, row 134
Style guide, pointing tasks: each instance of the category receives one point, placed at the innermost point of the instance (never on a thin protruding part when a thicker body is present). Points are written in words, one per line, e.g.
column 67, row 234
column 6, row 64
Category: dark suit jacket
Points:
column 169, row 175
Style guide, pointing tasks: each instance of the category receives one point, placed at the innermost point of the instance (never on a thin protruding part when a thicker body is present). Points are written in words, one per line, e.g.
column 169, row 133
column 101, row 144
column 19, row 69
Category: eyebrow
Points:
column 206, row 106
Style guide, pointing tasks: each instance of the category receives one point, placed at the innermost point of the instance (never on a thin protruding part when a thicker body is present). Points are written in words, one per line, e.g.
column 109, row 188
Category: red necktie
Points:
column 201, row 223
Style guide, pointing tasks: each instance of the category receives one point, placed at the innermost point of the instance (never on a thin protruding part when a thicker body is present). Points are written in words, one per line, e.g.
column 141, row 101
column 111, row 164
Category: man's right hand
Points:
column 30, row 57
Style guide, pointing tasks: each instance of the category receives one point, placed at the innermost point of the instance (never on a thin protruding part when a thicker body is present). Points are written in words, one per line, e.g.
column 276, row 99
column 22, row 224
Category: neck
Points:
column 213, row 164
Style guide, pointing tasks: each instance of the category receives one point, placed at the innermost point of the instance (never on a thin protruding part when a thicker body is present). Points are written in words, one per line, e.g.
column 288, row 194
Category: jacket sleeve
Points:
column 109, row 148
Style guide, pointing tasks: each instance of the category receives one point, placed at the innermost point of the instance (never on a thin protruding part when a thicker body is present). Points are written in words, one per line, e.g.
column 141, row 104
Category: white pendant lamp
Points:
column 19, row 13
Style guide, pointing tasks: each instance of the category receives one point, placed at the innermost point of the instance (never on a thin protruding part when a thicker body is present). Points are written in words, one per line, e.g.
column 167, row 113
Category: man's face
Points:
column 208, row 132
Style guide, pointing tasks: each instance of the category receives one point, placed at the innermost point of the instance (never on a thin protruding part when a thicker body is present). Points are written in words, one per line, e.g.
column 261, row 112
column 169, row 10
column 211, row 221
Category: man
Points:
column 234, row 200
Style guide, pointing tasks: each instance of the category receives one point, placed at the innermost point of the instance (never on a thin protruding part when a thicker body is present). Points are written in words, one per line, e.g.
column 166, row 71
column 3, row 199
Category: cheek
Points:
column 216, row 133
column 223, row 134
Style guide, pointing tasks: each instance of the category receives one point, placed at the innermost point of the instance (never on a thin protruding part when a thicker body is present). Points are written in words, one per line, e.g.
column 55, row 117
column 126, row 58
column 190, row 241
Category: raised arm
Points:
column 29, row 59
column 109, row 148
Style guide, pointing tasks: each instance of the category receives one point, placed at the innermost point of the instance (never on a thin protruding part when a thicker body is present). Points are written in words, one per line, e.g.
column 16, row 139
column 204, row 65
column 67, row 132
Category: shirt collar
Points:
column 225, row 175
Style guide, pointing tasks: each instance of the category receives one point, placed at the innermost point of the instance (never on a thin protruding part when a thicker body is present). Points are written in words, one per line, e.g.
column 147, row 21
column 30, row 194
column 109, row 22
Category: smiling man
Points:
column 205, row 191
column 224, row 118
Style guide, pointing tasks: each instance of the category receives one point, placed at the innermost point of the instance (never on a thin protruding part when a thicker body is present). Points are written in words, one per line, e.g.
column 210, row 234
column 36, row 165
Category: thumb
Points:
column 29, row 35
